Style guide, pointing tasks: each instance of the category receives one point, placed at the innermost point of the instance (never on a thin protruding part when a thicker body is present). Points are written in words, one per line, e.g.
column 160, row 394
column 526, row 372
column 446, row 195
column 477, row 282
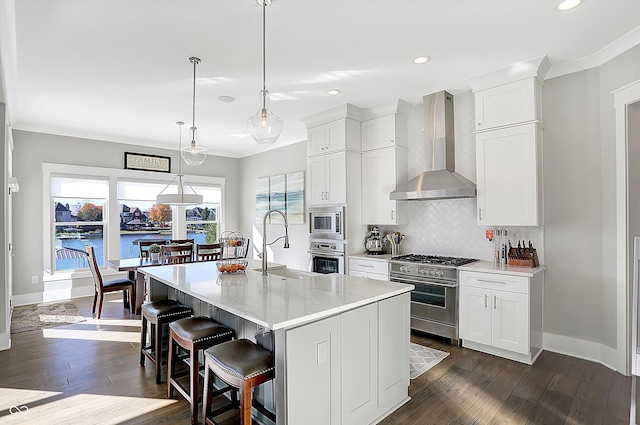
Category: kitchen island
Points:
column 341, row 343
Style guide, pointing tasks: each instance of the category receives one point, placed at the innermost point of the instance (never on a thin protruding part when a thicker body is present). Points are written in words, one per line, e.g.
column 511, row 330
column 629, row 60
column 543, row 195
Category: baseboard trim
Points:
column 53, row 295
column 5, row 341
column 582, row 349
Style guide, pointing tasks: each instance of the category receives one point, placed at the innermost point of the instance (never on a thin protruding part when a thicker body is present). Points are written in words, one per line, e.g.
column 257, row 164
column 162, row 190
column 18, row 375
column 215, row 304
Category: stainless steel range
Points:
column 434, row 301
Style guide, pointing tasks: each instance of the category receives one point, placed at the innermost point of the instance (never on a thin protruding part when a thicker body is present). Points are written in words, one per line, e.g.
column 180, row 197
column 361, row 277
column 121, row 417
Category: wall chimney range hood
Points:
column 442, row 182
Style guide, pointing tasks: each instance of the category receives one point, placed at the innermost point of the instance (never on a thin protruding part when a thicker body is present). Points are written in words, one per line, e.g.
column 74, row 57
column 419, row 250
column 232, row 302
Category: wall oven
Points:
column 326, row 256
column 326, row 222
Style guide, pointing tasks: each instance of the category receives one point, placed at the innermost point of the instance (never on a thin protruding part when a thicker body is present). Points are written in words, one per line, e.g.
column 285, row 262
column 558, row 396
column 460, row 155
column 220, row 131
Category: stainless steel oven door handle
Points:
column 326, row 254
column 421, row 282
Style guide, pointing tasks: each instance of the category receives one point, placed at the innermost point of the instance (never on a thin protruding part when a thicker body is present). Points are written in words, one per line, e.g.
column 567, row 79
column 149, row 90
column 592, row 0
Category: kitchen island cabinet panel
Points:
column 393, row 376
column 313, row 371
column 359, row 364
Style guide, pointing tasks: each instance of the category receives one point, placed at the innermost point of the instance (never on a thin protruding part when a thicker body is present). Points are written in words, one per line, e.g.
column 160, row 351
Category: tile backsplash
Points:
column 448, row 227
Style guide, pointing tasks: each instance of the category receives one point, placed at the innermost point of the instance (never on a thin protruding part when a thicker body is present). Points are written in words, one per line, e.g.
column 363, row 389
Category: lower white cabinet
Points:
column 372, row 269
column 352, row 368
column 501, row 314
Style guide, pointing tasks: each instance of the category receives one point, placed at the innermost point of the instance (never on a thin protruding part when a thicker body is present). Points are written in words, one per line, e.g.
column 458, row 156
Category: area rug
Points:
column 46, row 315
column 423, row 358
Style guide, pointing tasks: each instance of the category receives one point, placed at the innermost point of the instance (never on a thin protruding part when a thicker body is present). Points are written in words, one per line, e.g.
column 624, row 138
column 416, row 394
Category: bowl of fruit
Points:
column 232, row 266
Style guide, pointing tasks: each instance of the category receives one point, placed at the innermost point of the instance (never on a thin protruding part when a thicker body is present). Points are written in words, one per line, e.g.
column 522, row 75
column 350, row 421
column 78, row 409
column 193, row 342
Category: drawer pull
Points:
column 495, row 302
column 501, row 282
column 486, row 300
column 366, row 265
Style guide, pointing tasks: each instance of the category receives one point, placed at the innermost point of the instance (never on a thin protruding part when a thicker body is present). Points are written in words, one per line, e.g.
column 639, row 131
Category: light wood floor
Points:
column 89, row 373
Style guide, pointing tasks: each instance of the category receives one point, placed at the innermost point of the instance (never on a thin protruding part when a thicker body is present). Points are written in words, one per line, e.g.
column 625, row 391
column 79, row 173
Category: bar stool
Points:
column 243, row 365
column 157, row 313
column 192, row 334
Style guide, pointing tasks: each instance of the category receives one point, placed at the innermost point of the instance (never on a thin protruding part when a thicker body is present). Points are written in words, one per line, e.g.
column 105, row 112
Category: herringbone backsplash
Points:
column 448, row 227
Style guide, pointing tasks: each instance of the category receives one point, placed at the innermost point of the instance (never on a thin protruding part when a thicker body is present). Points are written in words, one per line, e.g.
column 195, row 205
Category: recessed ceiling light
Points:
column 333, row 92
column 421, row 59
column 226, row 99
column 568, row 4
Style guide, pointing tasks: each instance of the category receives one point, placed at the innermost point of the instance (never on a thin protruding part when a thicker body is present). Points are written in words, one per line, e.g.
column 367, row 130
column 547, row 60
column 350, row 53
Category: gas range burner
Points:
column 433, row 259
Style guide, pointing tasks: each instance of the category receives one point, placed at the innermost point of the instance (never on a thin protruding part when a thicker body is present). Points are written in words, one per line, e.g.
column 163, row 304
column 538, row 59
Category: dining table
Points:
column 131, row 265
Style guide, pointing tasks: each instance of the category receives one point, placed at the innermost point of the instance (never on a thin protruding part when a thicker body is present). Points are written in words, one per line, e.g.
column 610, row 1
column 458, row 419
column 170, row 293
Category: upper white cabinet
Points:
column 383, row 132
column 333, row 136
column 507, row 176
column 509, row 104
column 382, row 171
column 327, row 178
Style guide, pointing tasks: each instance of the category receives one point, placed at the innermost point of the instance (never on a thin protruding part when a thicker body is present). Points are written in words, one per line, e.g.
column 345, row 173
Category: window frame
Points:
column 111, row 218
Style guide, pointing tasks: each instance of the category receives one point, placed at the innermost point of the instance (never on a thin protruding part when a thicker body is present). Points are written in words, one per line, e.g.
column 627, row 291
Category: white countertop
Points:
column 365, row 256
column 490, row 266
column 274, row 301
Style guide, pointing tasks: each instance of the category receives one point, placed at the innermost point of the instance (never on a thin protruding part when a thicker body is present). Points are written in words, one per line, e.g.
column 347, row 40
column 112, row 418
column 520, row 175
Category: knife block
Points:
column 524, row 258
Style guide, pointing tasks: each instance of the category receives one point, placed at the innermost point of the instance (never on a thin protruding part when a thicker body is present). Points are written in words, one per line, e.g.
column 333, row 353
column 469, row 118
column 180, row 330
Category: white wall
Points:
column 32, row 149
column 284, row 160
column 4, row 234
column 580, row 189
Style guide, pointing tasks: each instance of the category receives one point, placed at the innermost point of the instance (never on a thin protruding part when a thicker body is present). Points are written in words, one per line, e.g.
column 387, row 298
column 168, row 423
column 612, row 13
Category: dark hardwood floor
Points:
column 89, row 373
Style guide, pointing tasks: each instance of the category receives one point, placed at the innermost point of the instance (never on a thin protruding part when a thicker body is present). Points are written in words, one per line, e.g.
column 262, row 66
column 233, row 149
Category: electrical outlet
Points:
column 323, row 348
column 34, row 279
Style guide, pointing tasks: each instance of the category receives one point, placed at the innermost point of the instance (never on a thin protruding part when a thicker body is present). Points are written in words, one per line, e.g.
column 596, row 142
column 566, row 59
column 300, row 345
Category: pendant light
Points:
column 180, row 198
column 264, row 127
column 194, row 154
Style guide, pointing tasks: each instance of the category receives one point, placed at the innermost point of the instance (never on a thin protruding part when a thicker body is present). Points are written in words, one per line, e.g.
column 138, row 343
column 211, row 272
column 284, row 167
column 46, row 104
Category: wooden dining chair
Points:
column 208, row 252
column 177, row 254
column 144, row 244
column 182, row 241
column 102, row 287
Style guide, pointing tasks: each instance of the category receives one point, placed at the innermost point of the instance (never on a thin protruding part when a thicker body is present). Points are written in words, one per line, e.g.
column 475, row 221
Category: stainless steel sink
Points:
column 290, row 273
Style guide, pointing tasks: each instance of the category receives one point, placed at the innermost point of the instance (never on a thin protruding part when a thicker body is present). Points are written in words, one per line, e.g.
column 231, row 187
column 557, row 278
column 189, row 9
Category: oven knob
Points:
column 420, row 271
column 332, row 247
column 441, row 273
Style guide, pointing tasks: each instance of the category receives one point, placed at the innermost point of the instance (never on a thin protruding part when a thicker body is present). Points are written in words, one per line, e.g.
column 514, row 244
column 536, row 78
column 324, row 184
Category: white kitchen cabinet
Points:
column 333, row 136
column 393, row 336
column 327, row 178
column 508, row 104
column 508, row 178
column 313, row 371
column 373, row 269
column 383, row 132
column 359, row 364
column 501, row 314
column 360, row 358
column 382, row 171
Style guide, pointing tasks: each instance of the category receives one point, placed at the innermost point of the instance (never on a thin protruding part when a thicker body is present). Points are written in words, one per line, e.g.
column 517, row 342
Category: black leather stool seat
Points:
column 157, row 313
column 166, row 308
column 241, row 358
column 200, row 329
column 192, row 334
column 242, row 365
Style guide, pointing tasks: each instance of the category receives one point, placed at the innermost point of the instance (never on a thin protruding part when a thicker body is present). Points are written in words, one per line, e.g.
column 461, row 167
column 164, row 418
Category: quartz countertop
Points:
column 274, row 301
column 490, row 266
column 365, row 256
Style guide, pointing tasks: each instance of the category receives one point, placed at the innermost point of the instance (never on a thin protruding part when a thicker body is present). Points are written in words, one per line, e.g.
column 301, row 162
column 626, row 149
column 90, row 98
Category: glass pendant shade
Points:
column 194, row 154
column 264, row 127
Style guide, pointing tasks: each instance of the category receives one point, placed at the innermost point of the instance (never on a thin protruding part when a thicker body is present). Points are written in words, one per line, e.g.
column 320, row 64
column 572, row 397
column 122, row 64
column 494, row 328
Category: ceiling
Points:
column 118, row 70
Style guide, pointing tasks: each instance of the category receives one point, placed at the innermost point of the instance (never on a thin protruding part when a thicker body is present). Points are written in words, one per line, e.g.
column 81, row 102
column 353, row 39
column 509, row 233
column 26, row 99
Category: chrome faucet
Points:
column 263, row 255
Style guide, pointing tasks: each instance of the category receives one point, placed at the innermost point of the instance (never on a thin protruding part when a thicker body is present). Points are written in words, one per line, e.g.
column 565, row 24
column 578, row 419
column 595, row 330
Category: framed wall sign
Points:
column 138, row 161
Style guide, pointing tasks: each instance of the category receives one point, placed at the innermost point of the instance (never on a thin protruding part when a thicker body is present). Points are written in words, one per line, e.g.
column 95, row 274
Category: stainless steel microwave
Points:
column 326, row 222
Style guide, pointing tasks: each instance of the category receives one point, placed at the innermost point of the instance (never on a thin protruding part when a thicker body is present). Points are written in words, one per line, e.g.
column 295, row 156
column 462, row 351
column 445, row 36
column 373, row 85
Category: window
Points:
column 78, row 207
column 111, row 209
column 142, row 218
